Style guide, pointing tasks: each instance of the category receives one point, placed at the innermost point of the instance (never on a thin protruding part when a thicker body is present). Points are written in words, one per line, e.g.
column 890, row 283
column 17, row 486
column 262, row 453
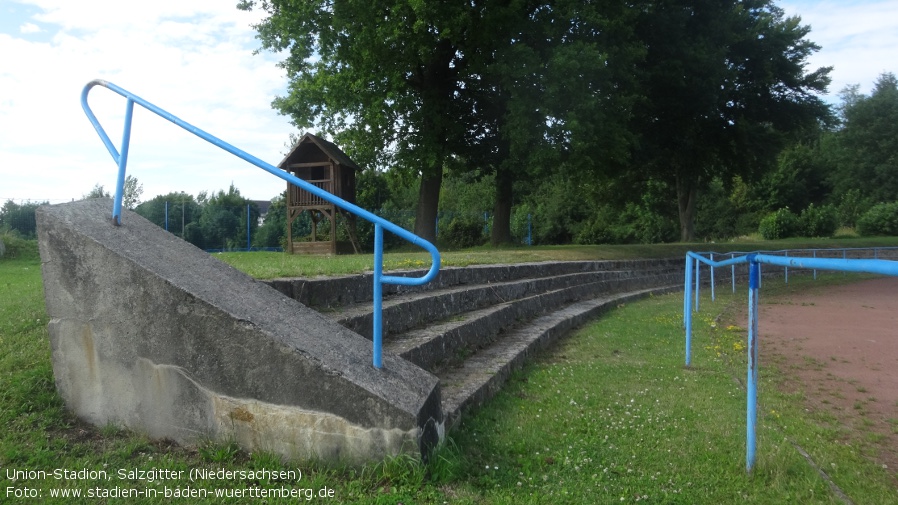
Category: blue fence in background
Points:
column 862, row 260
column 380, row 224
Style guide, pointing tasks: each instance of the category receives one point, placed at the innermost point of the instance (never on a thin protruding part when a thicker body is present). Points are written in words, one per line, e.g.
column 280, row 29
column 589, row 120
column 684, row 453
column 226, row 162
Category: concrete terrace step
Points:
column 405, row 311
column 480, row 376
column 473, row 326
column 436, row 344
column 330, row 292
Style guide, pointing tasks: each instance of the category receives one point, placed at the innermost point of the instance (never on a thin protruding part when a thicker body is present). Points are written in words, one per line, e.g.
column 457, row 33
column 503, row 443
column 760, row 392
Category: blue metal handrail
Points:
column 380, row 224
column 754, row 260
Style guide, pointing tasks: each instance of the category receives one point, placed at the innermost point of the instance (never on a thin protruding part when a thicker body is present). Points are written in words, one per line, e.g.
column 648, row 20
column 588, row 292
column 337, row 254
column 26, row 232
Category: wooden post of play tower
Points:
column 324, row 165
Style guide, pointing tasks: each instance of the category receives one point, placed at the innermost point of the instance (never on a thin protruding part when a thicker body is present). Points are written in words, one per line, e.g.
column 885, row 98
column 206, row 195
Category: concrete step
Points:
column 444, row 342
column 481, row 375
column 416, row 309
column 326, row 293
column 474, row 325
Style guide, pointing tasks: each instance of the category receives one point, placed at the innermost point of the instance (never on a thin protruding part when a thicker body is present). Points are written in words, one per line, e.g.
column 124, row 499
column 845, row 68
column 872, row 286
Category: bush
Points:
column 881, row 219
column 463, row 232
column 778, row 225
column 15, row 246
column 820, row 221
column 851, row 207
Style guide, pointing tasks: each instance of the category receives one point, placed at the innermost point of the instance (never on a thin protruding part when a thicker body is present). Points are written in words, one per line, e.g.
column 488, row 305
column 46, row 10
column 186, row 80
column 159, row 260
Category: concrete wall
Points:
column 153, row 334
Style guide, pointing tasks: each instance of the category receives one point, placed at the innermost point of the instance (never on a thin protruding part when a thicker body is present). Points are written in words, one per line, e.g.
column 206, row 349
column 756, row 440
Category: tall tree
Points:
column 492, row 85
column 19, row 217
column 181, row 210
column 556, row 84
column 866, row 145
column 725, row 84
column 133, row 191
column 382, row 76
column 130, row 197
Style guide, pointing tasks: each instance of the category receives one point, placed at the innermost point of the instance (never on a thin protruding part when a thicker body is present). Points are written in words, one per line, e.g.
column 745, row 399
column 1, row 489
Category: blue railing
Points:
column 786, row 259
column 380, row 224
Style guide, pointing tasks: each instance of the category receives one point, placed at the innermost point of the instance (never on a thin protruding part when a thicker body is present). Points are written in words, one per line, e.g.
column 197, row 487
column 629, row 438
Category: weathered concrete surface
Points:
column 339, row 291
column 151, row 333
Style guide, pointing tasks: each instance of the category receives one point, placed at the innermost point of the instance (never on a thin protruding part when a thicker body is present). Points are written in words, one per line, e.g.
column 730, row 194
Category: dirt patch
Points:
column 840, row 346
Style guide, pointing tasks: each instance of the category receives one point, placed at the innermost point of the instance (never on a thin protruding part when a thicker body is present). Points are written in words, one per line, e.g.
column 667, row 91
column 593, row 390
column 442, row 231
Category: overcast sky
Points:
column 195, row 59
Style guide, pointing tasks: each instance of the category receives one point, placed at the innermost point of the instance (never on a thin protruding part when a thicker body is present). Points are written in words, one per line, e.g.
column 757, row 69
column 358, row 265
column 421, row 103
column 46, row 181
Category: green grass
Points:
column 269, row 265
column 610, row 415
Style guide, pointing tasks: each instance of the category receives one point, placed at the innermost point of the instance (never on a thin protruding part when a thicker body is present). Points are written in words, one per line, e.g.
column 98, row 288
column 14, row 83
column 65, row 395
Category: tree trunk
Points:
column 428, row 202
column 687, row 194
column 501, row 231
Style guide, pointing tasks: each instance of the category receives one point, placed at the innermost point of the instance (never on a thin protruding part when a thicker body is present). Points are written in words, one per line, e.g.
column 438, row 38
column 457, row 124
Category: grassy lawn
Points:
column 268, row 265
column 610, row 415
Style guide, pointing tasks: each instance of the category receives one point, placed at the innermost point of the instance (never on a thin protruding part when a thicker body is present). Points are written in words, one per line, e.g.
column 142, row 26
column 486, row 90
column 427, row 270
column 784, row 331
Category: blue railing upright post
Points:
column 733, row 272
column 687, row 309
column 377, row 330
column 712, row 277
column 698, row 268
column 754, row 277
column 815, row 270
column 122, row 164
column 687, row 270
column 786, row 254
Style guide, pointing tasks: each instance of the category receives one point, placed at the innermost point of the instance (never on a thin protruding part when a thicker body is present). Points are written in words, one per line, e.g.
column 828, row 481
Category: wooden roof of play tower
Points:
column 312, row 149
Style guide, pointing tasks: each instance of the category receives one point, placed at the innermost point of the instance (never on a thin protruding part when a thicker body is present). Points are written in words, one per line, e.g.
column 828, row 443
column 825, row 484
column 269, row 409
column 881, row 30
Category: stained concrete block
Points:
column 150, row 333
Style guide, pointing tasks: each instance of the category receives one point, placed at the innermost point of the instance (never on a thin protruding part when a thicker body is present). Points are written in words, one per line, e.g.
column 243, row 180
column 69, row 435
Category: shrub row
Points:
column 814, row 221
column 823, row 221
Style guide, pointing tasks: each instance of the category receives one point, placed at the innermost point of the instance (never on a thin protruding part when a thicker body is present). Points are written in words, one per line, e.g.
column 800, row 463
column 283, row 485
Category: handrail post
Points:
column 733, row 272
column 698, row 268
column 122, row 163
column 815, row 270
column 786, row 255
column 754, row 278
column 377, row 316
column 687, row 309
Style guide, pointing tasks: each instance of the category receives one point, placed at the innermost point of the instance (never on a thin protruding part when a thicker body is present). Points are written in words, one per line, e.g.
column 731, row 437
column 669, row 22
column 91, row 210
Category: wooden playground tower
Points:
column 324, row 165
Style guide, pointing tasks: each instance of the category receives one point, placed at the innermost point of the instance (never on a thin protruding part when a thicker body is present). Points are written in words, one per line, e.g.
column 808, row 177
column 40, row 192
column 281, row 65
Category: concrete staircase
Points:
column 473, row 326
column 149, row 333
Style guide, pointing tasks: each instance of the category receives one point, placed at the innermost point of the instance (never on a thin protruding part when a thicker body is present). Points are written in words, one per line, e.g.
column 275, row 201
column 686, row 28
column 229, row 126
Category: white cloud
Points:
column 857, row 38
column 30, row 28
column 192, row 58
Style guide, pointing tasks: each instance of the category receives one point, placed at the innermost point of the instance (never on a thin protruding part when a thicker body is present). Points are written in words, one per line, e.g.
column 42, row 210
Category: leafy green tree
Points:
column 182, row 210
column 223, row 222
column 383, row 76
column 19, row 218
column 724, row 87
column 797, row 180
column 558, row 95
column 434, row 87
column 273, row 232
column 866, row 145
column 130, row 197
column 96, row 192
column 132, row 192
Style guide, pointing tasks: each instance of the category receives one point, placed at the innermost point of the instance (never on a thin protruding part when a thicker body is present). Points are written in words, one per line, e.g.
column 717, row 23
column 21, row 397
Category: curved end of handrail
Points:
column 435, row 261
column 86, row 90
